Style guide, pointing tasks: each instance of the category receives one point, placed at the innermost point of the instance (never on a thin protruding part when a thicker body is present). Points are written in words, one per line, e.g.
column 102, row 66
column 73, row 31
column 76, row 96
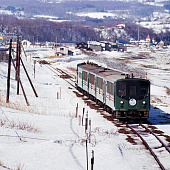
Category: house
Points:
column 62, row 50
column 37, row 44
column 122, row 45
column 120, row 25
column 153, row 40
column 70, row 53
column 26, row 43
column 114, row 47
column 148, row 39
column 161, row 44
column 59, row 54
column 50, row 44
column 4, row 54
column 82, row 45
column 95, row 47
column 144, row 42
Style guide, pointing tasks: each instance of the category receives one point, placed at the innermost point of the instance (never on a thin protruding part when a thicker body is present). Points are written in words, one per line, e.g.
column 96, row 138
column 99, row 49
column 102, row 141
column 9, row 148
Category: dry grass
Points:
column 21, row 107
column 18, row 168
column 71, row 69
column 19, row 126
column 167, row 90
column 155, row 99
column 145, row 52
column 51, row 62
column 51, row 57
column 1, row 99
column 2, row 165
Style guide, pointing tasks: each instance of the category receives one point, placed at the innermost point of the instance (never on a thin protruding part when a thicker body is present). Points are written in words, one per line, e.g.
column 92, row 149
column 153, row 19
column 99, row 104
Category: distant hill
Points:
column 33, row 29
column 69, row 9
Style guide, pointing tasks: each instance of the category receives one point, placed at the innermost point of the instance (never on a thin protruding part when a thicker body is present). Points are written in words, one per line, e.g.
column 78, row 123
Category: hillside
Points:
column 42, row 30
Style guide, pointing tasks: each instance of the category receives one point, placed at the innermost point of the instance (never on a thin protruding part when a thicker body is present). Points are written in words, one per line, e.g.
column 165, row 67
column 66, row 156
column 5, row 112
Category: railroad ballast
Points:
column 125, row 97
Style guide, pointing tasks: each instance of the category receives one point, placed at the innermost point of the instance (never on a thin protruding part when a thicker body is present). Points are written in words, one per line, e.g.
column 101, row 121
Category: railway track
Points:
column 62, row 74
column 153, row 143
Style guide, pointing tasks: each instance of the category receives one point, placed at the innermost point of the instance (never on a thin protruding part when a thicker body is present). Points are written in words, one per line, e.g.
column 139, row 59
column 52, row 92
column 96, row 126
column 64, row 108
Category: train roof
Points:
column 103, row 72
column 109, row 74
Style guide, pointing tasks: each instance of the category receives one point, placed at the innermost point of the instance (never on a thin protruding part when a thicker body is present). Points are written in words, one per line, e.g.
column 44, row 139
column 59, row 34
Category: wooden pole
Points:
column 83, row 115
column 34, row 68
column 77, row 110
column 9, row 72
column 21, row 86
column 89, row 130
column 79, row 120
column 29, row 78
column 24, row 52
column 17, row 52
column 86, row 125
column 92, row 160
column 60, row 92
column 87, row 154
column 18, row 68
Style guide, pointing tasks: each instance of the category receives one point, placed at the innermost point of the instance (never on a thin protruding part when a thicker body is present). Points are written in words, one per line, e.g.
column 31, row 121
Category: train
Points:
column 122, row 95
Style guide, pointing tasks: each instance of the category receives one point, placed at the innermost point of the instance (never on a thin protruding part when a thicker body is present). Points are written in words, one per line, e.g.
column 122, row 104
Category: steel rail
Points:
column 63, row 73
column 156, row 137
column 147, row 146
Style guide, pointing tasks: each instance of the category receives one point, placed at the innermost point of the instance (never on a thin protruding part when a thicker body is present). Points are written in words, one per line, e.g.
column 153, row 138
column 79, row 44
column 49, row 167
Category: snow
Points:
column 99, row 15
column 157, row 26
column 47, row 134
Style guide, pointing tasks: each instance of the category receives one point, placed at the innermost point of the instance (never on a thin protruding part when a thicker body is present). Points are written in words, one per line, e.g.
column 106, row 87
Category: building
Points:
column 82, row 45
column 148, row 39
column 95, row 47
column 26, row 43
column 144, row 42
column 4, row 54
column 63, row 51
column 121, row 25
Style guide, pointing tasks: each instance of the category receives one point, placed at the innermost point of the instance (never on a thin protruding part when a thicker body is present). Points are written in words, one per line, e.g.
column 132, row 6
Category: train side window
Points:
column 100, row 82
column 84, row 75
column 92, row 79
column 132, row 90
column 121, row 88
column 110, row 87
column 80, row 75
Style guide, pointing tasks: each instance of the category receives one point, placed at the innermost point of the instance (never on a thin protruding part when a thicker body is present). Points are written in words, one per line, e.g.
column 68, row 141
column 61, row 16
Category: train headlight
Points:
column 132, row 102
column 121, row 102
column 144, row 102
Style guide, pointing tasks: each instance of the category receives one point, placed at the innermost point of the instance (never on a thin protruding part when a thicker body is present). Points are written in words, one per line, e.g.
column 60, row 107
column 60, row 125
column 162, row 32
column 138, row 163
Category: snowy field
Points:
column 99, row 15
column 157, row 26
column 47, row 134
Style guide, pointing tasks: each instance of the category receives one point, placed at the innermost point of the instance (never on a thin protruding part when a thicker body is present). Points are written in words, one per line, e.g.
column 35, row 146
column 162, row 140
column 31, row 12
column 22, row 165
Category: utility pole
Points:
column 18, row 68
column 17, row 49
column 138, row 34
column 9, row 71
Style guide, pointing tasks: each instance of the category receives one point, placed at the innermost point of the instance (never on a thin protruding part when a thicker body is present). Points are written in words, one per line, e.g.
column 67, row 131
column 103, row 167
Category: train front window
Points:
column 132, row 90
column 121, row 89
column 144, row 89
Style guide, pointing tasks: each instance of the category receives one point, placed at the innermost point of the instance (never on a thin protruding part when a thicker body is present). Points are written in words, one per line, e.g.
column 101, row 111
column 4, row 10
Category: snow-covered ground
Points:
column 47, row 135
column 99, row 15
column 157, row 26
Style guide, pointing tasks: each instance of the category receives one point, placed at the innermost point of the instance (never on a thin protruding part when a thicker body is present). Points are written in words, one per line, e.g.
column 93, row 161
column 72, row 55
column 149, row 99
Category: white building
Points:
column 26, row 43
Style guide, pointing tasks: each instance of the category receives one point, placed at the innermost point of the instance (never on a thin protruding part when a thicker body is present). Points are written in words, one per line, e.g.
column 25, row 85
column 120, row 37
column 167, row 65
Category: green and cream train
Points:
column 126, row 98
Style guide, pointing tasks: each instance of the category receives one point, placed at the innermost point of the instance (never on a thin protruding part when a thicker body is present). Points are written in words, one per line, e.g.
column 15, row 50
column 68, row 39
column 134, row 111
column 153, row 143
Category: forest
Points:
column 43, row 30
